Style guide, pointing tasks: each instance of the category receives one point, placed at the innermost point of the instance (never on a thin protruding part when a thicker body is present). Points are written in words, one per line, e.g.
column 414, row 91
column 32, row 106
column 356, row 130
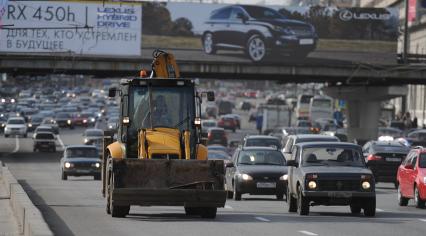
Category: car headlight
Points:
column 6, row 129
column 30, row 125
column 86, row 140
column 68, row 165
column 97, row 165
column 84, row 121
column 246, row 177
column 312, row 184
column 424, row 180
column 366, row 185
column 3, row 125
column 284, row 177
column 69, row 122
column 92, row 119
column 110, row 126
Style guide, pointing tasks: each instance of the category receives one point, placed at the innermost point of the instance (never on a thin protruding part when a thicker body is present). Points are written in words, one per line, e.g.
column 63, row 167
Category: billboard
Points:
column 77, row 27
column 272, row 34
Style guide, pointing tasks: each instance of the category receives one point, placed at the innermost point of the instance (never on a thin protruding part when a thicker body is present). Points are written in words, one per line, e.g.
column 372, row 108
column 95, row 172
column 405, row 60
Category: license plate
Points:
column 83, row 171
column 266, row 185
column 227, row 123
column 306, row 41
column 393, row 159
column 339, row 194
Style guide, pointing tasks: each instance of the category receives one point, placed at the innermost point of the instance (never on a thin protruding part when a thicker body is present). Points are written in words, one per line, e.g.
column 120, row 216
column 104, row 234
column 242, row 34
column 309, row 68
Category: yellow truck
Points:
column 158, row 158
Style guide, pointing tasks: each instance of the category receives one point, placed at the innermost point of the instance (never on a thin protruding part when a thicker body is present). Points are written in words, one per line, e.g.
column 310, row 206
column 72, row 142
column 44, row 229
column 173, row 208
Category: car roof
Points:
column 16, row 118
column 328, row 144
column 80, row 146
column 387, row 143
column 216, row 129
column 253, row 148
column 44, row 127
column 303, row 136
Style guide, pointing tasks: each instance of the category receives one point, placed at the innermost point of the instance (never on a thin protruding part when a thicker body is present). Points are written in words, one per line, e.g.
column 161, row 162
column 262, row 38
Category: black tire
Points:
column 396, row 185
column 280, row 196
column 236, row 194
column 291, row 202
column 417, row 200
column 108, row 197
column 208, row 212
column 229, row 194
column 34, row 149
column 233, row 130
column 355, row 209
column 206, row 48
column 256, row 49
column 116, row 211
column 64, row 176
column 190, row 211
column 6, row 135
column 25, row 135
column 71, row 127
column 402, row 201
column 370, row 207
column 302, row 203
column 54, row 149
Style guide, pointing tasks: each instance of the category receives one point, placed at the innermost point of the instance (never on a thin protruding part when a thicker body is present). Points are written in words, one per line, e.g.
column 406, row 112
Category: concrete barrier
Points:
column 29, row 218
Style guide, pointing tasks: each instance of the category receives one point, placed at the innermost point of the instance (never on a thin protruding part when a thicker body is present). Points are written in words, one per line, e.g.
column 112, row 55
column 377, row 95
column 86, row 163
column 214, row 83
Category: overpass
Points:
column 362, row 69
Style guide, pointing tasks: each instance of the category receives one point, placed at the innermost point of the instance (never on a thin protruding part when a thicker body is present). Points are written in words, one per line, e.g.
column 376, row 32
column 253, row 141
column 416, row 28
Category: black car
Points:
column 258, row 31
column 64, row 120
column 332, row 173
column 81, row 160
column 44, row 141
column 256, row 171
column 262, row 141
column 383, row 159
column 3, row 121
column 34, row 122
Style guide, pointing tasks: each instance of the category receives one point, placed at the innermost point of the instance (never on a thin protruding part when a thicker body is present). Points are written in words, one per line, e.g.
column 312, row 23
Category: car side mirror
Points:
column 229, row 165
column 409, row 166
column 292, row 163
column 210, row 96
column 112, row 92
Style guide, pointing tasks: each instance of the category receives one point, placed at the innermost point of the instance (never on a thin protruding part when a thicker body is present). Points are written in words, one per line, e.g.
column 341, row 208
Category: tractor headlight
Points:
column 366, row 185
column 312, row 184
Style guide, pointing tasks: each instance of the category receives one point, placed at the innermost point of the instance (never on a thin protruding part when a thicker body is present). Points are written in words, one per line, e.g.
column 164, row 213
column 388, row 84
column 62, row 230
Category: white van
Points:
column 302, row 106
column 321, row 107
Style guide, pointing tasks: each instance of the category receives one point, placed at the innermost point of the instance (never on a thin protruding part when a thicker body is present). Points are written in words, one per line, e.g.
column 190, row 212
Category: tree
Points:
column 182, row 27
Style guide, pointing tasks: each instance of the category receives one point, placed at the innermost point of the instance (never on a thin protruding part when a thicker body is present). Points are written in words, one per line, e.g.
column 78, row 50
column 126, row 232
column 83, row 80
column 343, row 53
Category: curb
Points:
column 29, row 218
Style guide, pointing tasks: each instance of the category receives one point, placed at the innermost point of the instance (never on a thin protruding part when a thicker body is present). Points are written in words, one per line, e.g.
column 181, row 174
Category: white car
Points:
column 15, row 126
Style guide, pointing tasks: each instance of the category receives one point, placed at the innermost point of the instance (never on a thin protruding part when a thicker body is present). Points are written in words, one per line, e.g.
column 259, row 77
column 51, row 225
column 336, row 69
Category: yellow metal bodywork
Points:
column 117, row 150
column 164, row 66
column 159, row 141
column 201, row 152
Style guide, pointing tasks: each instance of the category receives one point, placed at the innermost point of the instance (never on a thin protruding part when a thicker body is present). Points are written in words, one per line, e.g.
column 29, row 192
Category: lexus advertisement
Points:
column 272, row 34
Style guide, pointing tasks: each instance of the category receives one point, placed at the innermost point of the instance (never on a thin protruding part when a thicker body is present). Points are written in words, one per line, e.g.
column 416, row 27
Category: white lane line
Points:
column 228, row 207
column 262, row 219
column 379, row 210
column 60, row 141
column 16, row 145
column 423, row 220
column 308, row 233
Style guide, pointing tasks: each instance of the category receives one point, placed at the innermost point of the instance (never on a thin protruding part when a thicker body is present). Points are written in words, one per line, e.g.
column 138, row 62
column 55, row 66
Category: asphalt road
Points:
column 76, row 207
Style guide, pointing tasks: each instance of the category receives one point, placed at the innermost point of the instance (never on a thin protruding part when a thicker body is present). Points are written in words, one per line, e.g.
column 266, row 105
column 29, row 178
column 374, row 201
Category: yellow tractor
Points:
column 158, row 158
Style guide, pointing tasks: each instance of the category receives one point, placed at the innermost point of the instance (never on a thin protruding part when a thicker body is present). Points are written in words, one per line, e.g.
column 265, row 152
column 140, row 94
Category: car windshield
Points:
column 82, row 152
column 263, row 142
column 391, row 148
column 331, row 156
column 94, row 133
column 321, row 103
column 422, row 160
column 63, row 115
column 261, row 157
column 209, row 124
column 217, row 156
column 36, row 119
column 262, row 13
column 16, row 122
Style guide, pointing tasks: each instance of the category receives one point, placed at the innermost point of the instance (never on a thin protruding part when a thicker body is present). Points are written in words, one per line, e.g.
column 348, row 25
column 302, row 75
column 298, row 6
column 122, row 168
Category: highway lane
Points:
column 76, row 207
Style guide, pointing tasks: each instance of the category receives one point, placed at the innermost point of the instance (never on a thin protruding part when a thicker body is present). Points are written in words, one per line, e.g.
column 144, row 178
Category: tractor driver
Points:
column 160, row 114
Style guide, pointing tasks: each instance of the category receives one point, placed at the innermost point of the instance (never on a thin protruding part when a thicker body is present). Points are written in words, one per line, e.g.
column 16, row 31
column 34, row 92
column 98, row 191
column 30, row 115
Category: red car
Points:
column 228, row 122
column 411, row 178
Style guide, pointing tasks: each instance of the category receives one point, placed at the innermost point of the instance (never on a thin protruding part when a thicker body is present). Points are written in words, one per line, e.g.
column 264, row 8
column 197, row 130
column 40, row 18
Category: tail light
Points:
column 372, row 157
column 209, row 135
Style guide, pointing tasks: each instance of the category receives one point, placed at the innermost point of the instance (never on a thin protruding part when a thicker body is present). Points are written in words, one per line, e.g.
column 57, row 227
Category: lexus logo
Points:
column 347, row 15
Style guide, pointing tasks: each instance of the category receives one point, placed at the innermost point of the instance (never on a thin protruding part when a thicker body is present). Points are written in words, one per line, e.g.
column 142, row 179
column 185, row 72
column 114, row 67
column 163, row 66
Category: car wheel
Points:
column 417, row 200
column 396, row 185
column 230, row 194
column 64, row 176
column 237, row 195
column 256, row 48
column 97, row 177
column 402, row 201
column 6, row 135
column 370, row 207
column 280, row 196
column 291, row 202
column 208, row 44
column 233, row 130
column 355, row 209
column 25, row 135
column 190, row 211
column 302, row 203
column 116, row 211
column 208, row 212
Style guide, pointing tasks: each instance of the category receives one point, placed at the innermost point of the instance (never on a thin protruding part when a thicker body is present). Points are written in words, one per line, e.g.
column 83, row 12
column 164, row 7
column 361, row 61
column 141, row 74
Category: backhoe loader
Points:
column 158, row 158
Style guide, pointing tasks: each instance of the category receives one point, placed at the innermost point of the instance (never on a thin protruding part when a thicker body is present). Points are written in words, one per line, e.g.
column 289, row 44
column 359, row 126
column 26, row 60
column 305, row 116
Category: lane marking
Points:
column 228, row 207
column 60, row 141
column 379, row 210
column 16, row 145
column 423, row 220
column 262, row 219
column 308, row 233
